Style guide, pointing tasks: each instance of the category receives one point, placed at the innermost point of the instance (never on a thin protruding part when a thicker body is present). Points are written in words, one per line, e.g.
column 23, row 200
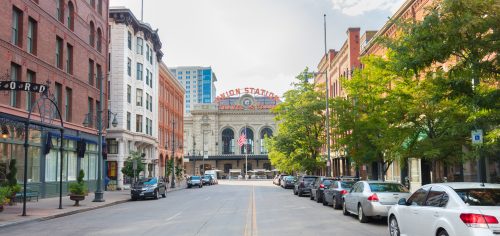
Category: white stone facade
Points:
column 133, row 97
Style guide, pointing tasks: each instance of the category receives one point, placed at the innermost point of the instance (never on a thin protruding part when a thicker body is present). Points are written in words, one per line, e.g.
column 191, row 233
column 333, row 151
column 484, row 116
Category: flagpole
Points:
column 246, row 154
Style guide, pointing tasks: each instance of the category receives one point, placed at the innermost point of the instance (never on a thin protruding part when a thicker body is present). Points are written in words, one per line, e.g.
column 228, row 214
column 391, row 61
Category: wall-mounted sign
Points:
column 22, row 86
column 247, row 90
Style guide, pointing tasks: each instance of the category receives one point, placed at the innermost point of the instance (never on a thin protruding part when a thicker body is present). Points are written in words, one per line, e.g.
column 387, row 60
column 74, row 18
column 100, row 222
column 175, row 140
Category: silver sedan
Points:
column 372, row 199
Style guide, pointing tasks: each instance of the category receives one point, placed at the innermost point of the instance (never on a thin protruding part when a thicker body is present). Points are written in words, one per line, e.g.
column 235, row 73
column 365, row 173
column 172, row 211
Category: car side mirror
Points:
column 403, row 202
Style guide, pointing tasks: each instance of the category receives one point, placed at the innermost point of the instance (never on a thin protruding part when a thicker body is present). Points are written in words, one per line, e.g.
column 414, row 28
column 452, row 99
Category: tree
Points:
column 128, row 168
column 301, row 125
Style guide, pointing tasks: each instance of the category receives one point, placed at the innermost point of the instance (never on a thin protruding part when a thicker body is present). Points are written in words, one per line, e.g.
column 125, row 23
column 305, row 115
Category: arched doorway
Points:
column 265, row 133
column 228, row 141
column 250, row 141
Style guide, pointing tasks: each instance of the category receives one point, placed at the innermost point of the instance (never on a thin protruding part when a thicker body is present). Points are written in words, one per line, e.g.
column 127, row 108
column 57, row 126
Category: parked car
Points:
column 334, row 193
column 448, row 209
column 213, row 173
column 207, row 180
column 372, row 199
column 318, row 186
column 288, row 181
column 303, row 185
column 148, row 188
column 194, row 181
column 281, row 178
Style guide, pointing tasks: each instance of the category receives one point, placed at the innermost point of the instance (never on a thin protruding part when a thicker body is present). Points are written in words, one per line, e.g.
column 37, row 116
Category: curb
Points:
column 6, row 225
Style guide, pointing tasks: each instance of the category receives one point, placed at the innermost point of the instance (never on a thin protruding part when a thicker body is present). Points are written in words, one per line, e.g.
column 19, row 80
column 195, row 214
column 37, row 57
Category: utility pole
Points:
column 99, row 195
column 329, row 164
column 172, row 184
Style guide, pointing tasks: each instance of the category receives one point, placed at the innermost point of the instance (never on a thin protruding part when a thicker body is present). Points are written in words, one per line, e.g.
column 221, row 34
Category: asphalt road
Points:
column 230, row 208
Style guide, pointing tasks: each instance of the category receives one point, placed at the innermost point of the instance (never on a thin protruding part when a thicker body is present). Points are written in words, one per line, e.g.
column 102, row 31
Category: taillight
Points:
column 343, row 192
column 478, row 220
column 373, row 198
column 321, row 186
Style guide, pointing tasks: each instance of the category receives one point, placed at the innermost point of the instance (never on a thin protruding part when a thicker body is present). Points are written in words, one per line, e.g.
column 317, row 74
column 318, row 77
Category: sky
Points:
column 256, row 43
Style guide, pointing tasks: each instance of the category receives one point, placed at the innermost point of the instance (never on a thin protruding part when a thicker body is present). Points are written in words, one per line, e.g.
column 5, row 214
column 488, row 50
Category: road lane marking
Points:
column 254, row 214
column 172, row 217
column 251, row 217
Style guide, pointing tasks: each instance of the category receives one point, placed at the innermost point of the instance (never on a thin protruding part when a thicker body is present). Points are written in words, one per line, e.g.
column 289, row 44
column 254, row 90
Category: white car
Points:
column 448, row 209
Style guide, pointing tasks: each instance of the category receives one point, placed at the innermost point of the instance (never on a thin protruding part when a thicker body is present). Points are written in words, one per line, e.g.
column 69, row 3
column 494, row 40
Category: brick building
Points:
column 62, row 43
column 170, row 119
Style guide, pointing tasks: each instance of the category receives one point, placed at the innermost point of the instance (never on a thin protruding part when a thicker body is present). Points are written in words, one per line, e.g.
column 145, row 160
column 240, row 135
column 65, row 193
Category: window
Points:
column 150, row 127
column 58, row 96
column 60, row 10
column 91, row 72
column 99, row 76
column 138, row 97
column 99, row 7
column 129, row 67
column 188, row 72
column 15, row 75
column 90, row 109
column 92, row 34
column 32, row 33
column 30, row 97
column 68, row 104
column 129, row 40
column 71, row 16
column 92, row 3
column 139, row 71
column 147, row 77
column 151, row 103
column 112, row 146
column 437, row 197
column 59, row 53
column 128, row 120
column 129, row 94
column 147, row 126
column 140, row 43
column 69, row 59
column 418, row 198
column 151, row 56
column 180, row 72
column 151, row 79
column 147, row 103
column 99, row 39
column 147, row 51
column 138, row 123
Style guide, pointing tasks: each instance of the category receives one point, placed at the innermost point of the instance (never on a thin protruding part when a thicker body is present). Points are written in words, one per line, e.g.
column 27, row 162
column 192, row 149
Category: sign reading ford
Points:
column 22, row 86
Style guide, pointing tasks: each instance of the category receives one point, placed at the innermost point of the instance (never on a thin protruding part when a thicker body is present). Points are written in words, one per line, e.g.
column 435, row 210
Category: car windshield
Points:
column 309, row 179
column 480, row 197
column 347, row 184
column 289, row 178
column 387, row 187
column 195, row 177
column 327, row 182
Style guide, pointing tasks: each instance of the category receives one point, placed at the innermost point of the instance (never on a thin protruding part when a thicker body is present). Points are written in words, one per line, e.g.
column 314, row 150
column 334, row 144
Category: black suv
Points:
column 150, row 187
column 319, row 185
column 303, row 185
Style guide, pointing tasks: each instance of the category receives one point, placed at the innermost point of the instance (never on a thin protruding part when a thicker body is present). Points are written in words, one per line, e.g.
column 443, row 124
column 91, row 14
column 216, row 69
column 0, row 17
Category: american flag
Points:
column 242, row 140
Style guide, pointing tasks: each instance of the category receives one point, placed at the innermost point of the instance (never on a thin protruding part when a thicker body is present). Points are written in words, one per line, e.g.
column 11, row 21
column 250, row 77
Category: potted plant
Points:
column 4, row 197
column 12, row 185
column 78, row 189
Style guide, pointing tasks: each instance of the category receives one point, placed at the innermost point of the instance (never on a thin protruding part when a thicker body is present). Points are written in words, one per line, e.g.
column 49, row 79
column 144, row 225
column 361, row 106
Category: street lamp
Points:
column 99, row 194
column 5, row 132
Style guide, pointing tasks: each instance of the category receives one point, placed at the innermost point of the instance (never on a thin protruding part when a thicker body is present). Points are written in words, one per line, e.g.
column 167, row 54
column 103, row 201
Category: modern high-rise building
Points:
column 199, row 83
column 135, row 56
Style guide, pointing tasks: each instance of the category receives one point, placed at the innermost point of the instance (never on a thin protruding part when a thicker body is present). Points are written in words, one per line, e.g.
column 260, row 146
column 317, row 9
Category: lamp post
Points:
column 99, row 194
column 172, row 184
column 327, row 108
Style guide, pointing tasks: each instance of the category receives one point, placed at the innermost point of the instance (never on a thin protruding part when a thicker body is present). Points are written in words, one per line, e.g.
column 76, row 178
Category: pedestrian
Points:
column 106, row 182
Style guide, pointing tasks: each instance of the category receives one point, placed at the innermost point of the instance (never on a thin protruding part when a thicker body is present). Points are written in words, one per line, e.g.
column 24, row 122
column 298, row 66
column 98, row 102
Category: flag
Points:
column 242, row 140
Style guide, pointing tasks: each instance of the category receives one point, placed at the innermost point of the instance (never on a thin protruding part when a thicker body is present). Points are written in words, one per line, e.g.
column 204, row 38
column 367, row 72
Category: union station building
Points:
column 211, row 134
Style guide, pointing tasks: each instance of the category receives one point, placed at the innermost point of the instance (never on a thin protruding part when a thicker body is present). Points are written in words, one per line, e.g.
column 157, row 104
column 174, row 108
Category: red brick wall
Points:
column 43, row 63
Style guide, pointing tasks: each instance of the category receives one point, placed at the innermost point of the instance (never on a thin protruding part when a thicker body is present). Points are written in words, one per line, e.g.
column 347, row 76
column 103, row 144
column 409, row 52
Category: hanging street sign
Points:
column 22, row 86
column 477, row 136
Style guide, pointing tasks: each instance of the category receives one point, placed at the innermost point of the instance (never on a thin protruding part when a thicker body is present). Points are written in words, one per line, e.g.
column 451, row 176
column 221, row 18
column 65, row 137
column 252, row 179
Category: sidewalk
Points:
column 48, row 208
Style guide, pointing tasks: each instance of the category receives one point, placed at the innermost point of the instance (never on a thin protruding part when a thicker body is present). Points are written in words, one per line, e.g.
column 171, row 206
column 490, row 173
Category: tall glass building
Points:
column 199, row 83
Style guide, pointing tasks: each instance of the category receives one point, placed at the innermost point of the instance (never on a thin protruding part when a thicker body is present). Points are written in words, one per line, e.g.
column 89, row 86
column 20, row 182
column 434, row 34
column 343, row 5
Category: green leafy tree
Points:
column 301, row 125
column 168, row 169
column 128, row 168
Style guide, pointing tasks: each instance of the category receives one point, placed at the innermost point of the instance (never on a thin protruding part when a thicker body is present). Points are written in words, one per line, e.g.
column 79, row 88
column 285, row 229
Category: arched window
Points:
column 99, row 7
column 92, row 34
column 228, row 141
column 71, row 16
column 264, row 133
column 249, row 144
column 60, row 10
column 99, row 39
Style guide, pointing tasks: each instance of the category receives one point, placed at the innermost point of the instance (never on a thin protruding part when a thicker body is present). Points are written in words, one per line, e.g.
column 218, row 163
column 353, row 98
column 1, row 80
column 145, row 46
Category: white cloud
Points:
column 359, row 7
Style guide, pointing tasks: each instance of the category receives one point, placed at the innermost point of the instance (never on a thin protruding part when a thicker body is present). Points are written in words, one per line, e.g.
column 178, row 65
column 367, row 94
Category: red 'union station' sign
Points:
column 247, row 90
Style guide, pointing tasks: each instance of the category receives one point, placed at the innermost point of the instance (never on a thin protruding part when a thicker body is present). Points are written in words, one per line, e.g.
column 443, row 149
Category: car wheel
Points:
column 134, row 199
column 393, row 227
column 294, row 192
column 442, row 233
column 164, row 193
column 335, row 204
column 156, row 194
column 300, row 193
column 344, row 209
column 201, row 185
column 318, row 197
column 361, row 215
